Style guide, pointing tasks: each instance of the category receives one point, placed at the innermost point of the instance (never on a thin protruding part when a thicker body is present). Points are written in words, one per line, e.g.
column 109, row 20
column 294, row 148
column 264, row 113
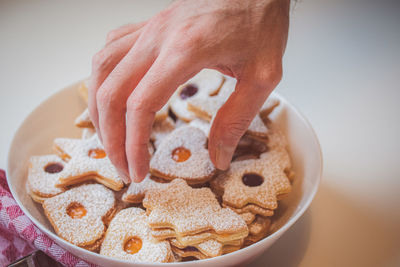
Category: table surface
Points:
column 341, row 70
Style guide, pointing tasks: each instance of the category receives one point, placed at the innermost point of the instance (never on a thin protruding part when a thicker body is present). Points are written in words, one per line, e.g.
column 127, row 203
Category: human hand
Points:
column 142, row 64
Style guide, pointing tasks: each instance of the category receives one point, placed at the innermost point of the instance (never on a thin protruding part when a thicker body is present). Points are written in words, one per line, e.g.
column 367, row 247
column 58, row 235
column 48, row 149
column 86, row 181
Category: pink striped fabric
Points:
column 19, row 236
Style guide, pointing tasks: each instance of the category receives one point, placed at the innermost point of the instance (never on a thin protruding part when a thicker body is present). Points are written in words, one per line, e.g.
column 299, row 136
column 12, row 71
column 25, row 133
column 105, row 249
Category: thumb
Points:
column 235, row 116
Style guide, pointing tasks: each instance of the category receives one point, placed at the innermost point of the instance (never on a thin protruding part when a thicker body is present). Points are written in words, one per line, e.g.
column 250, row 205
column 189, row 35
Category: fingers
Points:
column 232, row 120
column 103, row 63
column 111, row 103
column 122, row 31
column 153, row 91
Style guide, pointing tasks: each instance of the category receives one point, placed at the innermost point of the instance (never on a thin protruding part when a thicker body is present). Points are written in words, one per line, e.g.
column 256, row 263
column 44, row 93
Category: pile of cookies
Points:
column 184, row 209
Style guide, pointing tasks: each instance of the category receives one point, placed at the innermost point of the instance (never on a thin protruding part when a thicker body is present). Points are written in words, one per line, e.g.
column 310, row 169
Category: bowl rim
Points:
column 65, row 243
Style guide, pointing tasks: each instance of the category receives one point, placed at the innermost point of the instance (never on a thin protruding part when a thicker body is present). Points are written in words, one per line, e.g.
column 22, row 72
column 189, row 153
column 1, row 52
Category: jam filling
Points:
column 97, row 153
column 188, row 91
column 133, row 245
column 76, row 210
column 54, row 168
column 181, row 154
column 252, row 179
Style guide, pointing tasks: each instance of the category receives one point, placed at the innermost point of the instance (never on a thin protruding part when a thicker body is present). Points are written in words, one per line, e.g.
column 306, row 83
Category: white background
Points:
column 341, row 69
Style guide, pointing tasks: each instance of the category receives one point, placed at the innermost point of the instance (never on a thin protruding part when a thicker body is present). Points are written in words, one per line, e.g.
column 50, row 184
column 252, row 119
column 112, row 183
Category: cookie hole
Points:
column 97, row 153
column 252, row 179
column 188, row 91
column 54, row 167
column 133, row 245
column 181, row 154
column 76, row 210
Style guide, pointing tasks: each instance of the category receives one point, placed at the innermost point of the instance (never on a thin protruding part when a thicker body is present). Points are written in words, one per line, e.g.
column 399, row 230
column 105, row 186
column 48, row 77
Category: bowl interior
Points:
column 55, row 117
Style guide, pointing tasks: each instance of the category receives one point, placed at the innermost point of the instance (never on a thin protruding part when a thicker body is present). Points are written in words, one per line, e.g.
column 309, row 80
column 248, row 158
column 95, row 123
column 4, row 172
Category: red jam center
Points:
column 181, row 154
column 188, row 91
column 252, row 179
column 133, row 245
column 76, row 210
column 97, row 153
column 54, row 168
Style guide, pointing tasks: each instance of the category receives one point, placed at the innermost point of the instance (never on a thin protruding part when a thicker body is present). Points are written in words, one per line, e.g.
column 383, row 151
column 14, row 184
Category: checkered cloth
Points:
column 19, row 236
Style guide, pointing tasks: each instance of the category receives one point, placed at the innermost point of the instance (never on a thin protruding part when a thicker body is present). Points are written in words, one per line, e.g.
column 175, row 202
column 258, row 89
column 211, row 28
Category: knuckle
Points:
column 271, row 76
column 101, row 60
column 137, row 105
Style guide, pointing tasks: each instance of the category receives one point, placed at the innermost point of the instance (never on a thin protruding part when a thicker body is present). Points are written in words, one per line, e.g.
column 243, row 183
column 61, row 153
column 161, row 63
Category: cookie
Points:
column 88, row 132
column 255, row 181
column 160, row 130
column 258, row 230
column 128, row 238
column 137, row 191
column 87, row 160
column 206, row 106
column 269, row 105
column 248, row 217
column 80, row 215
column 43, row 174
column 190, row 211
column 254, row 209
column 182, row 154
column 203, row 125
column 162, row 114
column 206, row 83
column 249, row 147
column 83, row 120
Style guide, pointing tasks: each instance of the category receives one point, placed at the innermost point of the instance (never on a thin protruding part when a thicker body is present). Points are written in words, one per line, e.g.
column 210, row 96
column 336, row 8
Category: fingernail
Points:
column 223, row 156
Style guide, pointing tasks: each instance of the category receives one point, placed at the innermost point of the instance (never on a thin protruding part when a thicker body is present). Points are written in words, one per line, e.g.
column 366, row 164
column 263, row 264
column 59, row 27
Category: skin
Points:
column 142, row 64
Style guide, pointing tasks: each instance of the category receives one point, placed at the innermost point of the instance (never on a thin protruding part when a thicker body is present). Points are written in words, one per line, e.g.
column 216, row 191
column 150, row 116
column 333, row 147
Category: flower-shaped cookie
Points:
column 43, row 175
column 206, row 83
column 183, row 154
column 160, row 130
column 83, row 120
column 79, row 215
column 87, row 160
column 255, row 181
column 128, row 238
column 190, row 211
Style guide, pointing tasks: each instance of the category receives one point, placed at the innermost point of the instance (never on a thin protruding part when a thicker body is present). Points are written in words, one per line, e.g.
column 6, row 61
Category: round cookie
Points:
column 79, row 215
column 183, row 155
column 43, row 175
column 128, row 238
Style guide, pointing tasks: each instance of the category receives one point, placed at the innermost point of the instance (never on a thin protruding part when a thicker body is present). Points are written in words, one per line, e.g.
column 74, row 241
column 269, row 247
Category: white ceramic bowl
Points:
column 54, row 118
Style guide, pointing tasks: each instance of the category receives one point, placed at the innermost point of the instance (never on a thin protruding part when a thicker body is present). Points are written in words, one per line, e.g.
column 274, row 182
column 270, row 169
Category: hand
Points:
column 142, row 64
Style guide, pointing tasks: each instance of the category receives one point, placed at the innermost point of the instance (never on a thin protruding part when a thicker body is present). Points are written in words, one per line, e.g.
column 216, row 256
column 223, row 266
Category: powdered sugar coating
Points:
column 271, row 166
column 137, row 191
column 128, row 223
column 206, row 81
column 203, row 125
column 98, row 202
column 81, row 166
column 206, row 106
column 160, row 130
column 88, row 132
column 190, row 211
column 83, row 120
column 40, row 182
column 198, row 168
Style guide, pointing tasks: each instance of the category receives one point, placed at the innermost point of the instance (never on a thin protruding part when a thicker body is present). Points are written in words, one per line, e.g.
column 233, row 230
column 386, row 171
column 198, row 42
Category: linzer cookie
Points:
column 87, row 160
column 183, row 155
column 255, row 181
column 83, row 120
column 190, row 211
column 80, row 215
column 128, row 238
column 43, row 175
column 258, row 229
column 206, row 83
column 137, row 191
